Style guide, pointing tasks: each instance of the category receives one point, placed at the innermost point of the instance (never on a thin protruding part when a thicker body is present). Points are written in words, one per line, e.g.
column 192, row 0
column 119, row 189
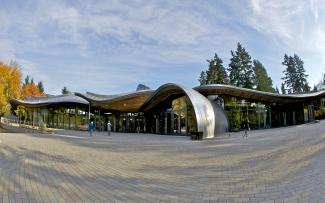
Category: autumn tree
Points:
column 31, row 90
column 10, row 84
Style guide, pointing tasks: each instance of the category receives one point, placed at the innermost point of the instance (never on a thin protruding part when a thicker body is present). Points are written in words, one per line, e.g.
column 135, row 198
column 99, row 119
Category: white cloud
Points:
column 7, row 50
column 314, row 8
column 295, row 27
column 29, row 68
column 144, row 36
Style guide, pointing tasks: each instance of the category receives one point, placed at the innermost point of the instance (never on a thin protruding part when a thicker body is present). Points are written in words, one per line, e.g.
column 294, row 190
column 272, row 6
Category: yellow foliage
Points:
column 10, row 85
column 31, row 90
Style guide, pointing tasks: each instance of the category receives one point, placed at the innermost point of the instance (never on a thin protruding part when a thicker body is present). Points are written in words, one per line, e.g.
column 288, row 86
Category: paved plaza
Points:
column 275, row 165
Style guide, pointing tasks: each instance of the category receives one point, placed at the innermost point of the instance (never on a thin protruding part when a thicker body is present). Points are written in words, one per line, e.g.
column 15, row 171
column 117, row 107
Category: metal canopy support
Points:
column 100, row 120
column 89, row 113
column 75, row 118
column 259, row 118
column 69, row 112
column 264, row 115
column 37, row 116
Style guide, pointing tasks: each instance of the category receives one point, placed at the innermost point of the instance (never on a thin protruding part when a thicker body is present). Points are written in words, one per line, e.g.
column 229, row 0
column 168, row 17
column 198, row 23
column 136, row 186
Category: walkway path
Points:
column 276, row 165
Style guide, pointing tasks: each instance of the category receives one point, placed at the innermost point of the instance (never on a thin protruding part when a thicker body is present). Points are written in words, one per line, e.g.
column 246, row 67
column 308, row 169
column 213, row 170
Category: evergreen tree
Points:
column 27, row 80
column 290, row 73
column 216, row 74
column 283, row 90
column 32, row 81
column 240, row 69
column 262, row 81
column 65, row 90
column 203, row 78
column 306, row 87
column 277, row 90
column 295, row 78
column 315, row 89
column 40, row 87
column 301, row 83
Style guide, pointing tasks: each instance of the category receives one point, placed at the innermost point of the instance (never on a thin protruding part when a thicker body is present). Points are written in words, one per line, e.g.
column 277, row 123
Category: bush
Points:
column 42, row 127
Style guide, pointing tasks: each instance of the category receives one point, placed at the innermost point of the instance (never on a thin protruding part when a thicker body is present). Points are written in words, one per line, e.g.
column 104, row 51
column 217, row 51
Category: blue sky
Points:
column 109, row 47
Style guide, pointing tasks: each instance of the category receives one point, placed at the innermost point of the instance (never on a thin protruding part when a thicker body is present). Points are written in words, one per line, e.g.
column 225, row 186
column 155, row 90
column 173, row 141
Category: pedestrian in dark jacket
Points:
column 91, row 128
column 246, row 127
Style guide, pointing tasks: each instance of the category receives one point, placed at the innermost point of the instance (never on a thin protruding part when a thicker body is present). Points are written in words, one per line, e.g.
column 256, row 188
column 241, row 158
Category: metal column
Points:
column 75, row 118
column 100, row 120
column 259, row 119
column 264, row 116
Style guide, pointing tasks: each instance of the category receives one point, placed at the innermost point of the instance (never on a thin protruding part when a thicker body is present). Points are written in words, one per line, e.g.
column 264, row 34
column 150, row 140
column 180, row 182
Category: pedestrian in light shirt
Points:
column 109, row 128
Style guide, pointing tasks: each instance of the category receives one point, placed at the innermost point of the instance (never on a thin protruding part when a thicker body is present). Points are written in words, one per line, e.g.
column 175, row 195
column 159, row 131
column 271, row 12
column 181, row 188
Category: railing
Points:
column 16, row 123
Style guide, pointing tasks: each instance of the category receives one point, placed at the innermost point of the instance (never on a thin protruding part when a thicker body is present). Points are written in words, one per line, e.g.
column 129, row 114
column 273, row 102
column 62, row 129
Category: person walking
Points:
column 246, row 126
column 91, row 128
column 109, row 128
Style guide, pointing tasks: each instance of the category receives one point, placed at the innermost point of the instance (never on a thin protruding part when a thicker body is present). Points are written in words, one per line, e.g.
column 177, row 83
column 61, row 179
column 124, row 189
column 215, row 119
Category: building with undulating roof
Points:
column 174, row 109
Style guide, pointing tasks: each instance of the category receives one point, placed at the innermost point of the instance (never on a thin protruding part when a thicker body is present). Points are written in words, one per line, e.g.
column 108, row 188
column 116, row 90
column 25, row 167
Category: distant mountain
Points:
column 142, row 87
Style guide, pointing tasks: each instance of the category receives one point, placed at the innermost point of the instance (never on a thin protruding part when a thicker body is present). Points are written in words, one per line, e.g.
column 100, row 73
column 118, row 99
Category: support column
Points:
column 100, row 120
column 114, row 118
column 179, row 122
column 37, row 116
column 294, row 118
column 186, row 124
column 264, row 118
column 165, row 130
column 75, row 118
column 63, row 120
column 172, row 122
column 157, row 125
column 68, row 110
column 89, row 113
column 259, row 119
column 285, row 118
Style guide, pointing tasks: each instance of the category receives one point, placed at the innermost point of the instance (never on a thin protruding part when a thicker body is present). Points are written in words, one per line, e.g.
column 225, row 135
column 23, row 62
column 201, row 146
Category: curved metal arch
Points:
column 203, row 108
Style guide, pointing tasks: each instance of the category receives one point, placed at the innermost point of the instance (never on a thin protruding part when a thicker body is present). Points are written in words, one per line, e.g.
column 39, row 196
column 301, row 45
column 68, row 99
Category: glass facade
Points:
column 175, row 116
column 58, row 117
column 266, row 115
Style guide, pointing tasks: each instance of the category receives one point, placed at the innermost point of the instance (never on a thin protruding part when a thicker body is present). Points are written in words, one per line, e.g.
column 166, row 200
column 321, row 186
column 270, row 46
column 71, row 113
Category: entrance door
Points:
column 176, row 122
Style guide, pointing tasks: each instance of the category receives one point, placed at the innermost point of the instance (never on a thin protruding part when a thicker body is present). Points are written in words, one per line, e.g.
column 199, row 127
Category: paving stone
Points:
column 275, row 165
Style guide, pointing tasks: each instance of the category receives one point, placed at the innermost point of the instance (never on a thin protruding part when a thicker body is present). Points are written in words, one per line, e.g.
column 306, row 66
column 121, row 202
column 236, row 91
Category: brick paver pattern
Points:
column 275, row 165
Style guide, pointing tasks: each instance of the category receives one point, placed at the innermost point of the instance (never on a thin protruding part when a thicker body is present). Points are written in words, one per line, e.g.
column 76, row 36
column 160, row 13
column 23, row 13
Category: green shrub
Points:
column 42, row 127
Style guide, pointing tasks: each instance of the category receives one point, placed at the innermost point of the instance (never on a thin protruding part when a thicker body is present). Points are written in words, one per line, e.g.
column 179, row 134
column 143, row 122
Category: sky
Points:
column 109, row 47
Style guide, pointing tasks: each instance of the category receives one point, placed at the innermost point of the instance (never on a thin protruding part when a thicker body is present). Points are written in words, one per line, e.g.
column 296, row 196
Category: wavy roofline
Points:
column 255, row 94
column 85, row 98
column 59, row 99
column 93, row 97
